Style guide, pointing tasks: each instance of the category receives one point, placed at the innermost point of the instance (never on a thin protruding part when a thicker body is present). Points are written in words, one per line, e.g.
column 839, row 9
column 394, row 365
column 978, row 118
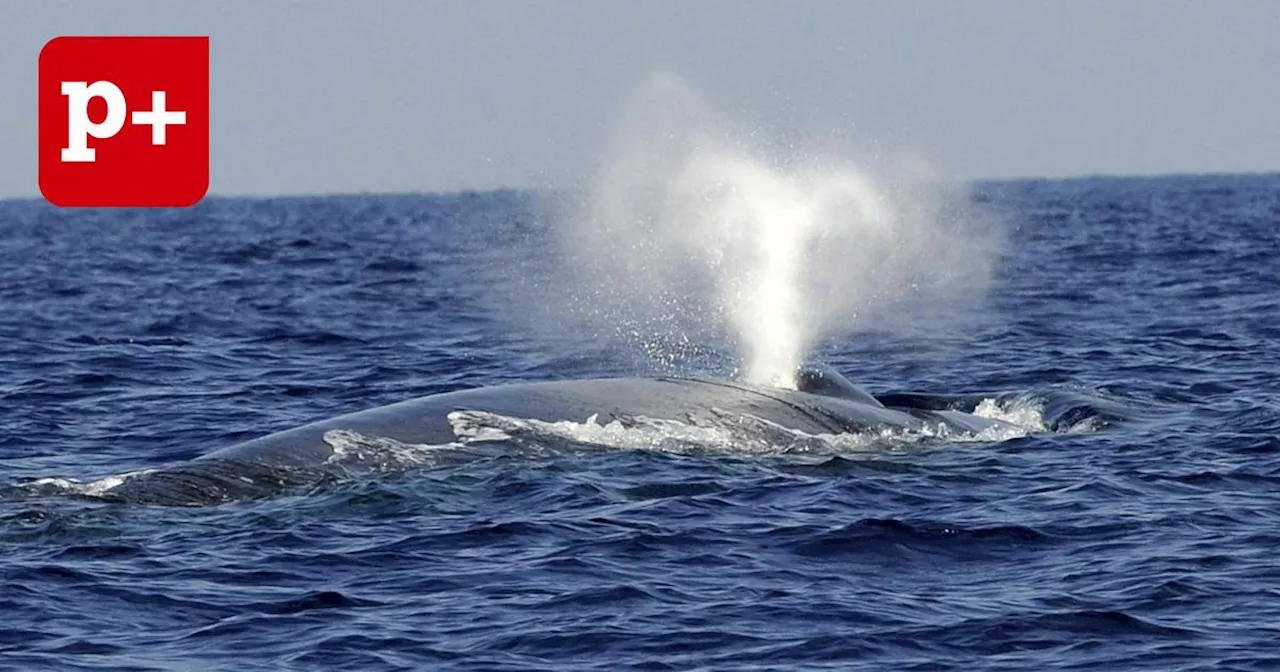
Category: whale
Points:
column 823, row 403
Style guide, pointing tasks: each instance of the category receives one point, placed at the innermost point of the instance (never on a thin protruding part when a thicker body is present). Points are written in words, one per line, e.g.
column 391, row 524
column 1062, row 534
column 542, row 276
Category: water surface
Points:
column 1138, row 318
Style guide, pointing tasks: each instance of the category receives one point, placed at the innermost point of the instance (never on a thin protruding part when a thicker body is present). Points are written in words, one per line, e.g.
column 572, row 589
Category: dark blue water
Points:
column 1142, row 537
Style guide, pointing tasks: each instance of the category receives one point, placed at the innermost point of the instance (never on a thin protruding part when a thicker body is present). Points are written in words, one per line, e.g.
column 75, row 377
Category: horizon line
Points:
column 533, row 190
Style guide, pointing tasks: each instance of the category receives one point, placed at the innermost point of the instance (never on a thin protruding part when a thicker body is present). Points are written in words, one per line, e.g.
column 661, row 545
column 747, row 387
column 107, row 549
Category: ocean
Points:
column 1130, row 325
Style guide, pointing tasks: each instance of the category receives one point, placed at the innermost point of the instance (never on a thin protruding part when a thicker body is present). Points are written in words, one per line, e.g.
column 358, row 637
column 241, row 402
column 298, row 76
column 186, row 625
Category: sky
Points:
column 392, row 96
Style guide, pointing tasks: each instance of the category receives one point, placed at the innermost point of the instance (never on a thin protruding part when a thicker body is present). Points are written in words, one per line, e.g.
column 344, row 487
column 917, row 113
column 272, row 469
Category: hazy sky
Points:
column 318, row 97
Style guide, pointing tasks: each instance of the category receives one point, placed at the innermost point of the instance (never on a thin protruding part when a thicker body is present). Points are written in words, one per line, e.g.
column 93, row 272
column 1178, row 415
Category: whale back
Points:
column 302, row 455
column 425, row 420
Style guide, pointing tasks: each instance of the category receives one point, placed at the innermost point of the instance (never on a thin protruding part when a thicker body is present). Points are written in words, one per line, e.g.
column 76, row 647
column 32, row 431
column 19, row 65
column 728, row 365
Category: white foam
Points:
column 380, row 453
column 639, row 432
column 1023, row 413
column 717, row 431
column 71, row 486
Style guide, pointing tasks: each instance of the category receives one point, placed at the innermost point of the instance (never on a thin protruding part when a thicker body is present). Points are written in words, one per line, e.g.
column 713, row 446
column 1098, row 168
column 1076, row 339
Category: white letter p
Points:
column 79, row 128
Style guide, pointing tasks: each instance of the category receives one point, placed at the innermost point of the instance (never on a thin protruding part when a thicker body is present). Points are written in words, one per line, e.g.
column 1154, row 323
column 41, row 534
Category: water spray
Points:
column 691, row 234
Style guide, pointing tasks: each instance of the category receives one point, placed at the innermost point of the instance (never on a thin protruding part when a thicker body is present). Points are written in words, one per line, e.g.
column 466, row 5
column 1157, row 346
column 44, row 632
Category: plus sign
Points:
column 158, row 117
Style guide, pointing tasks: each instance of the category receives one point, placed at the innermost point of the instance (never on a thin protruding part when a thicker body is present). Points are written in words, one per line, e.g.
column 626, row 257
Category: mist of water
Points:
column 692, row 233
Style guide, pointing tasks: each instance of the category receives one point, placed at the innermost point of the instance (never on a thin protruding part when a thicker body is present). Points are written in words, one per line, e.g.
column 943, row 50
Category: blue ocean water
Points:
column 1139, row 318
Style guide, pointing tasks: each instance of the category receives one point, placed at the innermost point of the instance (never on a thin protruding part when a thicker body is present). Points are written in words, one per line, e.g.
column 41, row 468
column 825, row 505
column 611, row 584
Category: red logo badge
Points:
column 124, row 121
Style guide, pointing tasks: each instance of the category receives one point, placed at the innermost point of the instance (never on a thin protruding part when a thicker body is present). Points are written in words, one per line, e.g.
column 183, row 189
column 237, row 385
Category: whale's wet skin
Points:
column 1117, row 509
column 827, row 415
